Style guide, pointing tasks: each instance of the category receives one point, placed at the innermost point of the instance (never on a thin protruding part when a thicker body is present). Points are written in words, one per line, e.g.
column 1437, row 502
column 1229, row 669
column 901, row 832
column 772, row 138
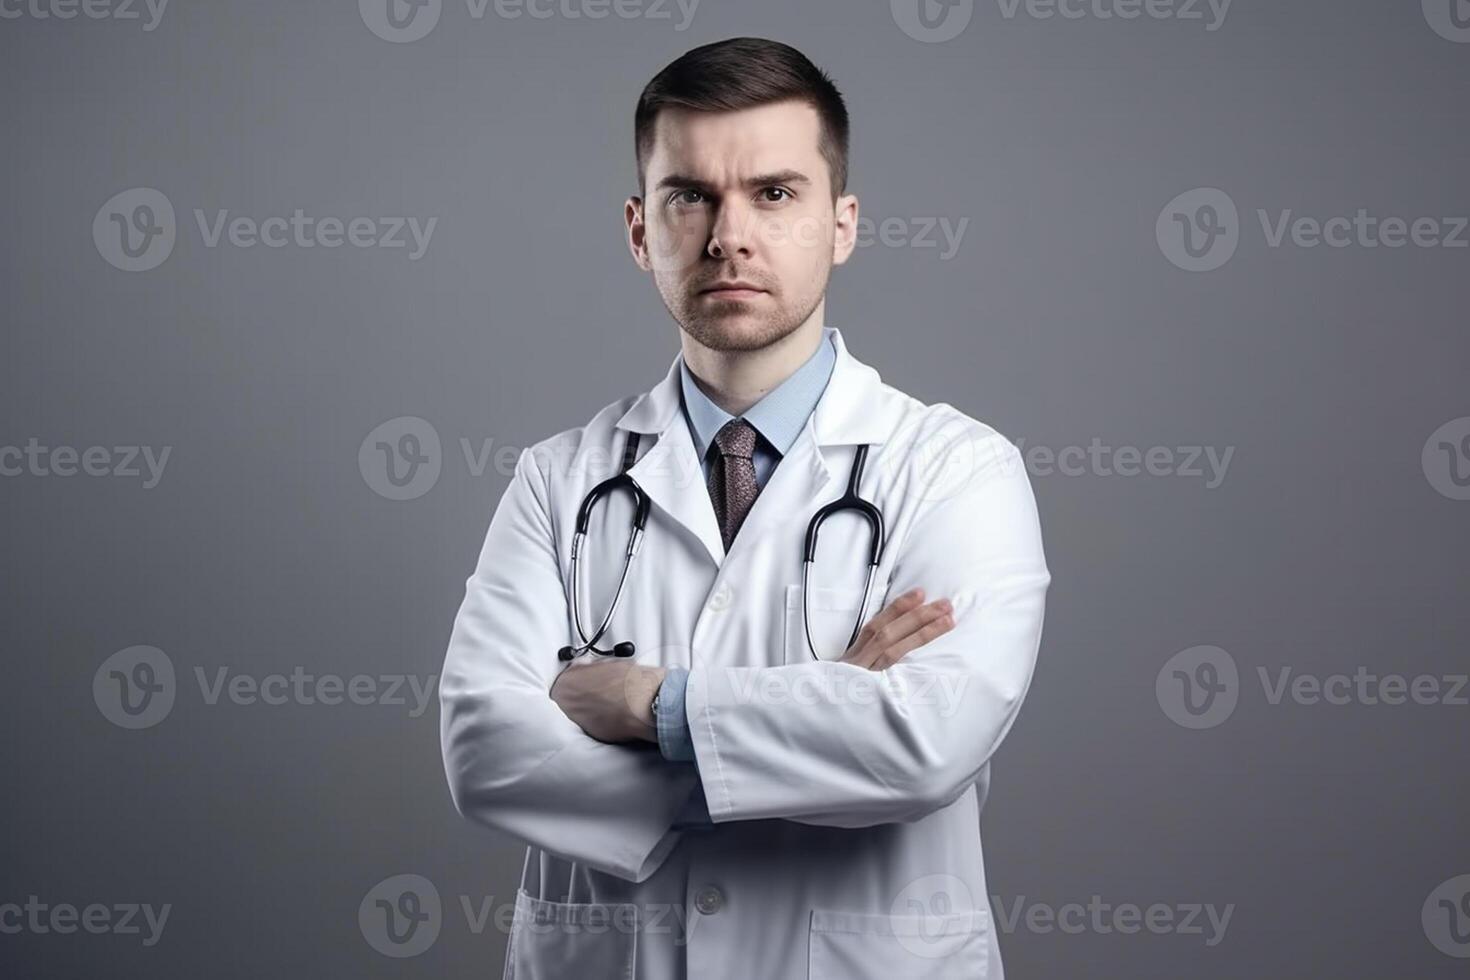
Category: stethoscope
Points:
column 850, row 500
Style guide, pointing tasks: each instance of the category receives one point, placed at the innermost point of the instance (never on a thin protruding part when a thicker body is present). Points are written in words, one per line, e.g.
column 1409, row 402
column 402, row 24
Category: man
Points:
column 750, row 794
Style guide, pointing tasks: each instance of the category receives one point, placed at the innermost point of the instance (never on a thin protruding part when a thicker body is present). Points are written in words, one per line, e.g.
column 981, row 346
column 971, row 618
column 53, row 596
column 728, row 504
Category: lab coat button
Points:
column 721, row 598
column 709, row 900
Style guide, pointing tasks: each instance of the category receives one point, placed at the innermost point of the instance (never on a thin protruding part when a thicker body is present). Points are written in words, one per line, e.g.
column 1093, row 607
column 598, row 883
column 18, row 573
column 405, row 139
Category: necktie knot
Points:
column 736, row 438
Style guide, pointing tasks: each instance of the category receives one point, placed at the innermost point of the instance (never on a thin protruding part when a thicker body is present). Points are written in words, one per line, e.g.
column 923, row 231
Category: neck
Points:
column 737, row 379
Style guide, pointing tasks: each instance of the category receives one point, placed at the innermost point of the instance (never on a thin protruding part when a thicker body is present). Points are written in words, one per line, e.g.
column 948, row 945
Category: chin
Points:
column 736, row 330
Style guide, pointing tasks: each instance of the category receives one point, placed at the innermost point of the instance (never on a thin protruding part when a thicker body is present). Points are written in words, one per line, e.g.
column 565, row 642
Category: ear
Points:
column 637, row 232
column 844, row 227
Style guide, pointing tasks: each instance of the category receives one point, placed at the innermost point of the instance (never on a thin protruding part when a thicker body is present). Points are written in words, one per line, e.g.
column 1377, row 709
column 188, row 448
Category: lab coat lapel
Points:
column 669, row 471
column 797, row 482
column 850, row 411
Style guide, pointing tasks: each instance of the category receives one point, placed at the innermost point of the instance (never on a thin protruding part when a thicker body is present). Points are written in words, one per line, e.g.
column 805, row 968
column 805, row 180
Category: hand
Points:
column 611, row 699
column 905, row 624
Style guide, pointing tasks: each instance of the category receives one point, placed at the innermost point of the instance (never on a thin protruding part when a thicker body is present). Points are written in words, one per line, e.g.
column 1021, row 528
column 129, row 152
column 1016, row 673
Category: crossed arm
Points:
column 556, row 771
column 611, row 700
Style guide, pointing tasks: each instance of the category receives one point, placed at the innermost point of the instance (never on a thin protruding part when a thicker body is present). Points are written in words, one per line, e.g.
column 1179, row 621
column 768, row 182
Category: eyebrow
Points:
column 683, row 181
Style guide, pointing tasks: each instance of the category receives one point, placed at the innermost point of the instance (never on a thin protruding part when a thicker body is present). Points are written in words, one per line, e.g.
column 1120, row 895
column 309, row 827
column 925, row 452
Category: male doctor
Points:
column 733, row 801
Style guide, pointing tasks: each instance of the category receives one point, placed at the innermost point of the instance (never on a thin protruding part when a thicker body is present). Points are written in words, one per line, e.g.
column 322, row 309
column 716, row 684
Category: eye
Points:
column 779, row 190
column 686, row 196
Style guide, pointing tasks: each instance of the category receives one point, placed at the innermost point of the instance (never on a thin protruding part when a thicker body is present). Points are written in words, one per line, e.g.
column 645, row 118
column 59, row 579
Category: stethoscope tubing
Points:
column 850, row 500
column 806, row 620
column 635, row 541
column 853, row 501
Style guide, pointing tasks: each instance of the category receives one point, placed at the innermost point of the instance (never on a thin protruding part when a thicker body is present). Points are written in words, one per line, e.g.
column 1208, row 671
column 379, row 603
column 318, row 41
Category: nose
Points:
column 732, row 233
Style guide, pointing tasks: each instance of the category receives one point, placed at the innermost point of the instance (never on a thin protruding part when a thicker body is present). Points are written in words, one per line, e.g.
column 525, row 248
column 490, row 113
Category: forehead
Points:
column 718, row 146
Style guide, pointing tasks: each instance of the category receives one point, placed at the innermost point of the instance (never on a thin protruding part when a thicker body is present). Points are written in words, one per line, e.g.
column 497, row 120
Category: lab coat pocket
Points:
column 554, row 940
column 859, row 946
column 833, row 610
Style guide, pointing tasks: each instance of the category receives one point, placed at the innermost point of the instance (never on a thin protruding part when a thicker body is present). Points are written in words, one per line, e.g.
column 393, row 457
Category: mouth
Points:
column 732, row 290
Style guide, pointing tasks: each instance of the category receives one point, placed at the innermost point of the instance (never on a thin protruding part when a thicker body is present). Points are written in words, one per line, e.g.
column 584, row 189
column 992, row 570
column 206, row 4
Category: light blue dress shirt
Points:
column 778, row 418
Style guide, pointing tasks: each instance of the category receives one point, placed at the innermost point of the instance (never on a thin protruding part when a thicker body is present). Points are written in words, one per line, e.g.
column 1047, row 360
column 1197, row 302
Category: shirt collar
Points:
column 780, row 414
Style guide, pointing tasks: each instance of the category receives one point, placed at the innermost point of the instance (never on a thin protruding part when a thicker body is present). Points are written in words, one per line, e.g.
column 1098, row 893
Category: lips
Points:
column 733, row 288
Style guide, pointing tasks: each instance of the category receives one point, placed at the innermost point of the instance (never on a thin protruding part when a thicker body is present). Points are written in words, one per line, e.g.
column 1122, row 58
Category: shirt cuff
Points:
column 674, row 742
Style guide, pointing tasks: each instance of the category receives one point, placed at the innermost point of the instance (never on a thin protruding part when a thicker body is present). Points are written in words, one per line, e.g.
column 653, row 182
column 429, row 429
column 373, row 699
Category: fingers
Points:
column 905, row 624
column 863, row 649
column 907, row 602
column 939, row 619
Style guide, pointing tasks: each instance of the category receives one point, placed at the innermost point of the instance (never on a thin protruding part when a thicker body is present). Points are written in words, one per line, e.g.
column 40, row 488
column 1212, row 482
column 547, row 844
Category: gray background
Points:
column 266, row 548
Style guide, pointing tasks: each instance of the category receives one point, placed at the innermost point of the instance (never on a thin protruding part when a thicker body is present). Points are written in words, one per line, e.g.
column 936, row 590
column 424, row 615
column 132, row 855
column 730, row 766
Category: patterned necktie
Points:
column 732, row 484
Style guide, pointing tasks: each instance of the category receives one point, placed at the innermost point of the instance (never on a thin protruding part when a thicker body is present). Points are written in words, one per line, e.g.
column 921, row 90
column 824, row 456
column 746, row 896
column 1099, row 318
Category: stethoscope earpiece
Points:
column 624, row 649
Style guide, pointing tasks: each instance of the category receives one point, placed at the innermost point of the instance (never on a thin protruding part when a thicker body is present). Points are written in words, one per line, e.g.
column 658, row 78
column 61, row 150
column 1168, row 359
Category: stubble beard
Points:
column 731, row 325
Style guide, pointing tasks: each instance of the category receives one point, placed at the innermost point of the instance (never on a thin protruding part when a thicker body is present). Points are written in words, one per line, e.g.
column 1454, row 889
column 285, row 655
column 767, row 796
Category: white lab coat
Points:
column 845, row 803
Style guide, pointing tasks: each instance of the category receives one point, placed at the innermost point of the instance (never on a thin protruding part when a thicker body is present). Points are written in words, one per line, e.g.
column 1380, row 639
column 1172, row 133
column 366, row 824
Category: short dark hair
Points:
column 741, row 73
